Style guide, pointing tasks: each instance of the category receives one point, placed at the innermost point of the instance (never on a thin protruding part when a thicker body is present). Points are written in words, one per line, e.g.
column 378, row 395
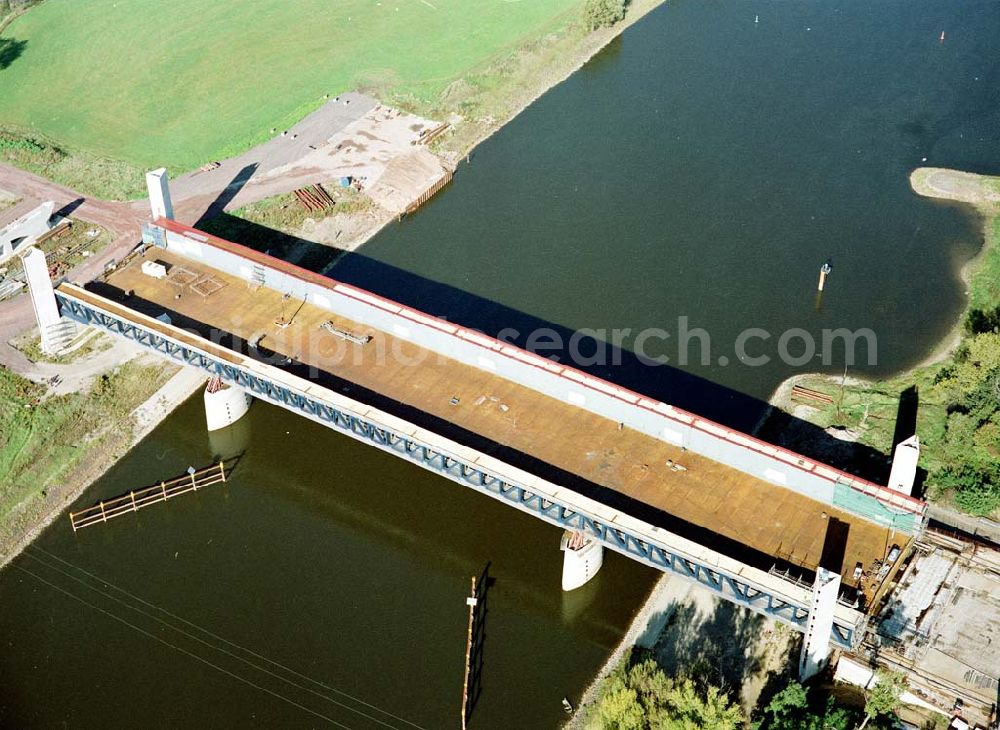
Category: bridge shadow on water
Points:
column 666, row 383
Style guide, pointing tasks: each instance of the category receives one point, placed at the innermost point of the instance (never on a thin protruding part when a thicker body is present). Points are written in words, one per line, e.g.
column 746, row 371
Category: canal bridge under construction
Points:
column 748, row 520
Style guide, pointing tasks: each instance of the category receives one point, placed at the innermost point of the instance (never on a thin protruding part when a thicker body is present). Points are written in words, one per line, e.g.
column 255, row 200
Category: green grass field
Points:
column 182, row 82
column 49, row 446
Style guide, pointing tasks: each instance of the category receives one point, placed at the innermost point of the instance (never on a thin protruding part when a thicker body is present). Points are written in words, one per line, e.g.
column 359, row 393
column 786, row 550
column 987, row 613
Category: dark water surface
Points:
column 338, row 561
column 702, row 166
column 705, row 167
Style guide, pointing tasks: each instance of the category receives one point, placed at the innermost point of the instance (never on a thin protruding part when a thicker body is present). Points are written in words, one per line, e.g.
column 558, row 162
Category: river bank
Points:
column 686, row 626
column 477, row 106
column 875, row 427
column 515, row 82
column 125, row 403
column 865, row 412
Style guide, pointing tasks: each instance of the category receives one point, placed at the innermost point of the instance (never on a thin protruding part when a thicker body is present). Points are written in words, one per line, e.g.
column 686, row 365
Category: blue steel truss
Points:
column 730, row 587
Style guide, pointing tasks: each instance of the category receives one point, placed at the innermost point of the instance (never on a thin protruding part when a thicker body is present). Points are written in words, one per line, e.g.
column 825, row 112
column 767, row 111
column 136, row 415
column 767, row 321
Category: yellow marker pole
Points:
column 824, row 270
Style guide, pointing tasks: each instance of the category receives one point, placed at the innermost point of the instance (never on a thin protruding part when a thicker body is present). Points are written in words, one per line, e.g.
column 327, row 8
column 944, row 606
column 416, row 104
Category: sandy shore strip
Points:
column 681, row 620
column 655, row 627
column 163, row 402
column 982, row 193
column 349, row 232
column 963, row 187
column 146, row 416
column 643, row 632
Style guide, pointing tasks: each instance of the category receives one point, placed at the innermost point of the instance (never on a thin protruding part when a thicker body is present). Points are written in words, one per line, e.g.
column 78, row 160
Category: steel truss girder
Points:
column 731, row 587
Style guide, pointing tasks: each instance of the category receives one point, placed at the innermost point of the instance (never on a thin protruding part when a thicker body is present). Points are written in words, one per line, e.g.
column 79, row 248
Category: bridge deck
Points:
column 706, row 494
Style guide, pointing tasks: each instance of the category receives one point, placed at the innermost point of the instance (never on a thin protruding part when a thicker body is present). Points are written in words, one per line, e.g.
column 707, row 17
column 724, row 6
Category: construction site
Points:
column 848, row 562
column 941, row 628
column 351, row 144
column 66, row 242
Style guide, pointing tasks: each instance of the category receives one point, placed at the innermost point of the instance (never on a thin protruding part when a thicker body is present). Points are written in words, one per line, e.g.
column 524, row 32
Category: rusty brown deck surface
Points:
column 726, row 501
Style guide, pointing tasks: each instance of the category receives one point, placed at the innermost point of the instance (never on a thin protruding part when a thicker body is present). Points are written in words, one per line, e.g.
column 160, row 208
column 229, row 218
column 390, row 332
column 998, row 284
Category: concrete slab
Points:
column 195, row 191
column 946, row 620
column 907, row 615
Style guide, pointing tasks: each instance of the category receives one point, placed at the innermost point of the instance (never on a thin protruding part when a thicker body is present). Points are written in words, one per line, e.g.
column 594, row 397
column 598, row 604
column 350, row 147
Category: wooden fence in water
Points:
column 135, row 500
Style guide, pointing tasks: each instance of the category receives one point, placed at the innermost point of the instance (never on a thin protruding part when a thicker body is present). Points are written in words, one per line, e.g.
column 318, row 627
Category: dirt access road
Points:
column 194, row 195
column 314, row 150
column 122, row 220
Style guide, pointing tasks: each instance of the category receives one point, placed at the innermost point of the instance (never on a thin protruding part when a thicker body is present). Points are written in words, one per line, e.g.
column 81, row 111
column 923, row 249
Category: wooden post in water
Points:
column 133, row 500
column 471, row 601
column 840, row 398
column 824, row 271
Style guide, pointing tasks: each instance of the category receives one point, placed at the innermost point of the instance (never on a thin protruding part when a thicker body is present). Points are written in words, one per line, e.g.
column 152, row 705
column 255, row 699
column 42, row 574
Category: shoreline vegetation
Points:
column 480, row 98
column 55, row 445
column 867, row 411
column 693, row 634
column 952, row 396
column 495, row 93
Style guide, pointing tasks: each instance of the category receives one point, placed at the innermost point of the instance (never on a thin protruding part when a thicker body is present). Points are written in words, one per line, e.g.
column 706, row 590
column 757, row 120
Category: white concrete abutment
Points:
column 224, row 404
column 583, row 556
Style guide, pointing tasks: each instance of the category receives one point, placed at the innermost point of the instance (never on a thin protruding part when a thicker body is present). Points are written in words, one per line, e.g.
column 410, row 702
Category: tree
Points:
column 883, row 699
column 689, row 708
column 975, row 364
column 793, row 709
column 981, row 499
column 603, row 13
column 638, row 695
column 983, row 320
column 970, row 387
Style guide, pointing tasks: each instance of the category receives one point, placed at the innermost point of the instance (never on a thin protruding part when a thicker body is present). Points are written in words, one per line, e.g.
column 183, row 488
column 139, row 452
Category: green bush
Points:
column 978, row 493
column 638, row 695
column 969, row 388
column 603, row 13
column 978, row 321
column 19, row 144
column 796, row 708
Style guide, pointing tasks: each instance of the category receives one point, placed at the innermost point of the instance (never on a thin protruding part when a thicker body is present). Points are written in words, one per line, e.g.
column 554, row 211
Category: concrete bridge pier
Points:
column 158, row 185
column 583, row 556
column 224, row 404
column 55, row 331
column 816, row 644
